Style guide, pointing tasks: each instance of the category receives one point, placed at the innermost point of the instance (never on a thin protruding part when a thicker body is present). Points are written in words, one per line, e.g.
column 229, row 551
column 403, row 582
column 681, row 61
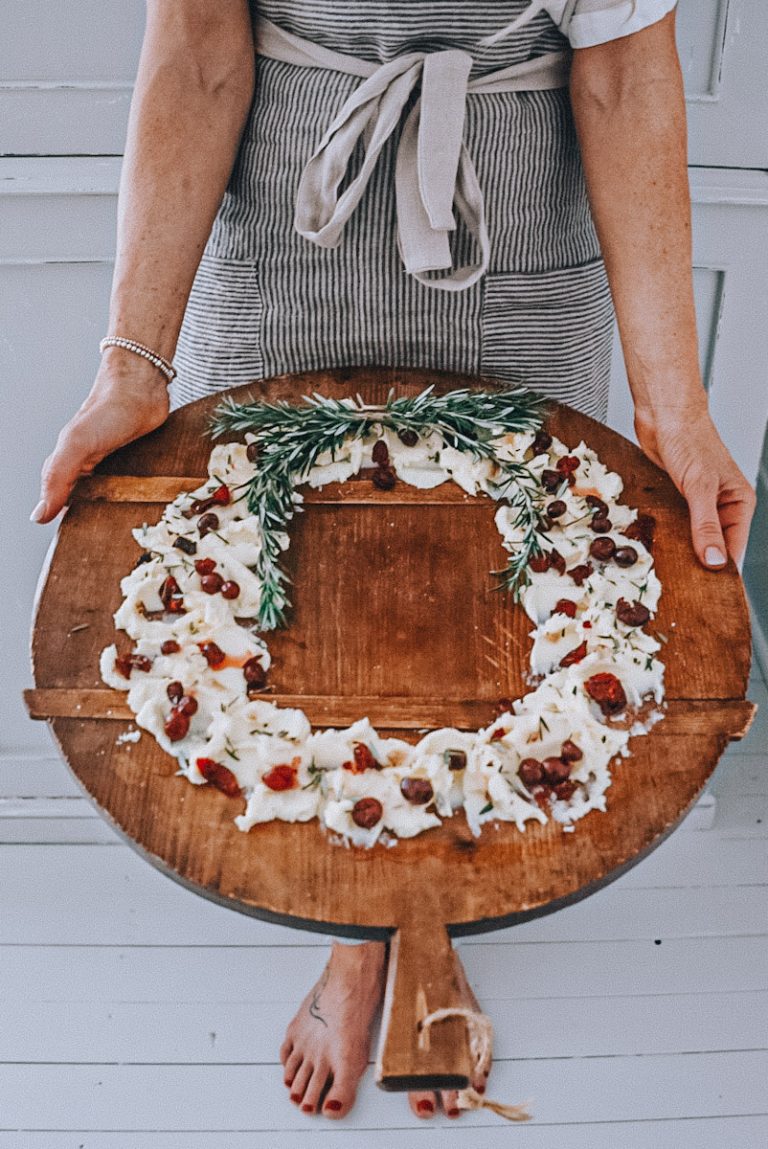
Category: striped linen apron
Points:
column 290, row 282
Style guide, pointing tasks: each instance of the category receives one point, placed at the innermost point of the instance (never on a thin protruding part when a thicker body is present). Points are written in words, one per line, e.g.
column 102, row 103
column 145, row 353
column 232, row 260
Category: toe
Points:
column 423, row 1104
column 285, row 1049
column 480, row 1083
column 449, row 1099
column 300, row 1082
column 341, row 1096
column 315, row 1087
column 292, row 1066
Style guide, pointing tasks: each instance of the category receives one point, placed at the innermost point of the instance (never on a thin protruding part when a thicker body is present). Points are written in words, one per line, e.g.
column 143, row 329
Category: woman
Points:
column 532, row 304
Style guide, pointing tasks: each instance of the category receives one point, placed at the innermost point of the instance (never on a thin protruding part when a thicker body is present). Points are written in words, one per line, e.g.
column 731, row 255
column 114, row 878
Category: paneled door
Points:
column 722, row 50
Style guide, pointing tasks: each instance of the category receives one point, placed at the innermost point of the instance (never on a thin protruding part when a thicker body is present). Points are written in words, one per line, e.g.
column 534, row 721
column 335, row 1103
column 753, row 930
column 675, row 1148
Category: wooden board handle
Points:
column 422, row 976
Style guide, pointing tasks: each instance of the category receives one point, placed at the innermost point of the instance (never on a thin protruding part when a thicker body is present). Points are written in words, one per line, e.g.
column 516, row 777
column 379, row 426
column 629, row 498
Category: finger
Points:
column 61, row 471
column 706, row 532
column 735, row 512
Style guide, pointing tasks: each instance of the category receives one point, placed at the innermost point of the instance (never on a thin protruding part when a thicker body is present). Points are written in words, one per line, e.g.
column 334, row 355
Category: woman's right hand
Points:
column 128, row 399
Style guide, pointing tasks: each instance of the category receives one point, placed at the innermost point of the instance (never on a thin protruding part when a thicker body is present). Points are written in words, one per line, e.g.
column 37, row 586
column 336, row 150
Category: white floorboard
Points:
column 706, row 1133
column 135, row 1015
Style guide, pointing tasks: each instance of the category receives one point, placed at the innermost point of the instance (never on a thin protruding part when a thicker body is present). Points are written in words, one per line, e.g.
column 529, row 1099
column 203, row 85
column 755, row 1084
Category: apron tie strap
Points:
column 434, row 173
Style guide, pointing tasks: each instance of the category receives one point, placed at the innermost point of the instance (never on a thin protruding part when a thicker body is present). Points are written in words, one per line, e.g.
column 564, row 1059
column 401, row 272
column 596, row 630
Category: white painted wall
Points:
column 65, row 75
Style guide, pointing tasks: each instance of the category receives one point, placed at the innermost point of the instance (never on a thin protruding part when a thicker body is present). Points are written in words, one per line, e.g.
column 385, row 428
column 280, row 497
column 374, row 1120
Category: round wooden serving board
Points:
column 395, row 617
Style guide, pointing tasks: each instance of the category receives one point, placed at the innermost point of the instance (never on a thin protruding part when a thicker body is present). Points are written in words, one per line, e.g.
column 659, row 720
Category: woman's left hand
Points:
column 721, row 502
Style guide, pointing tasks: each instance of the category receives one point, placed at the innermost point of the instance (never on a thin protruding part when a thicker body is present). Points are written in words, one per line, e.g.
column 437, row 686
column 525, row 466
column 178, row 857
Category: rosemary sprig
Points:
column 292, row 438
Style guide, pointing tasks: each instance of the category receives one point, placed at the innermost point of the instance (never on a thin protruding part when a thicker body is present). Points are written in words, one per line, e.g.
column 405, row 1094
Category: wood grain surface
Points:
column 393, row 602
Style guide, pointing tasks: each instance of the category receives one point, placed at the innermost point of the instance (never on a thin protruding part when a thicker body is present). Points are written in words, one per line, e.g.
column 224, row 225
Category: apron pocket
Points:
column 220, row 341
column 551, row 331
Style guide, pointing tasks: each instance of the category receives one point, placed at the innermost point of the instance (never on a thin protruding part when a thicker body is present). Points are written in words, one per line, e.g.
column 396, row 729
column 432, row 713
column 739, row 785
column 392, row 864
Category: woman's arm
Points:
column 193, row 91
column 629, row 109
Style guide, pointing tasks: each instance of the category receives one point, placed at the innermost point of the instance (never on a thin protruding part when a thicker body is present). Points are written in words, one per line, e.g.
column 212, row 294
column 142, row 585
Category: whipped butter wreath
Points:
column 208, row 585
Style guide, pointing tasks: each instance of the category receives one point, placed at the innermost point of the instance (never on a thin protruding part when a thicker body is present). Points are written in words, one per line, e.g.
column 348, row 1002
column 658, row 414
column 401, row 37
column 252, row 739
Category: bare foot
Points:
column 326, row 1047
column 425, row 1104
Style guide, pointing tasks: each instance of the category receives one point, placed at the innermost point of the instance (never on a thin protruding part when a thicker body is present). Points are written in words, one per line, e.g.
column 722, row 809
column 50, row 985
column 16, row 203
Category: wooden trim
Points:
column 683, row 716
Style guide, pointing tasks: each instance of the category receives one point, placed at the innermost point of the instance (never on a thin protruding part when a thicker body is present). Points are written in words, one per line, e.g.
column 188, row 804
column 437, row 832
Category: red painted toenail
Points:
column 480, row 1089
column 307, row 1109
column 334, row 1105
column 454, row 1112
column 425, row 1106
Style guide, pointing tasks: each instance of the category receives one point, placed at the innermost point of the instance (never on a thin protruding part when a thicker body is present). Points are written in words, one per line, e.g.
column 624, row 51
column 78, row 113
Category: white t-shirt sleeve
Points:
column 590, row 22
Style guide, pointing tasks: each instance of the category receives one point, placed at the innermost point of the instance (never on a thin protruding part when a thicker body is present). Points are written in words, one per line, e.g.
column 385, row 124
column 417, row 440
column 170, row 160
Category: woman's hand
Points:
column 720, row 500
column 127, row 400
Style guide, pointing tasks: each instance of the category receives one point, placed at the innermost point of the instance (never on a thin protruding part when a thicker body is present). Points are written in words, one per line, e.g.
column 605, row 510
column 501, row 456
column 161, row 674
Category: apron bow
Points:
column 433, row 169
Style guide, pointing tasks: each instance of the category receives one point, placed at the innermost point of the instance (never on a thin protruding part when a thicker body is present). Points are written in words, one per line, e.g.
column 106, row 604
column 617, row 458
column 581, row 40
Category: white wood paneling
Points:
column 730, row 237
column 66, row 74
column 722, row 45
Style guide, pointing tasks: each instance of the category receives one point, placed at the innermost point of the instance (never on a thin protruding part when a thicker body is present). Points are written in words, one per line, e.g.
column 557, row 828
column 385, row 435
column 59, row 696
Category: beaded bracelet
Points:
column 168, row 370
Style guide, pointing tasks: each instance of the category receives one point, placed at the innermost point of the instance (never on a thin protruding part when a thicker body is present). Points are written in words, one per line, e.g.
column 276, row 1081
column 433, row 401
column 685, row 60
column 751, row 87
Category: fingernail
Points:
column 425, row 1106
column 454, row 1112
column 714, row 557
column 480, row 1089
column 307, row 1109
column 334, row 1105
column 37, row 514
column 295, row 1097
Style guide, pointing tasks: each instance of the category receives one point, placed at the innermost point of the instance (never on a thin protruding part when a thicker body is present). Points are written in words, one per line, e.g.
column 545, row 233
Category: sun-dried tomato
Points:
column 282, row 777
column 222, row 496
column 580, row 573
column 568, row 464
column 575, row 655
column 212, row 653
column 557, row 561
column 205, row 566
column 170, row 595
column 643, row 530
column 540, row 563
column 219, row 776
column 565, row 606
column 125, row 663
column 565, row 790
column 606, row 690
column 362, row 760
